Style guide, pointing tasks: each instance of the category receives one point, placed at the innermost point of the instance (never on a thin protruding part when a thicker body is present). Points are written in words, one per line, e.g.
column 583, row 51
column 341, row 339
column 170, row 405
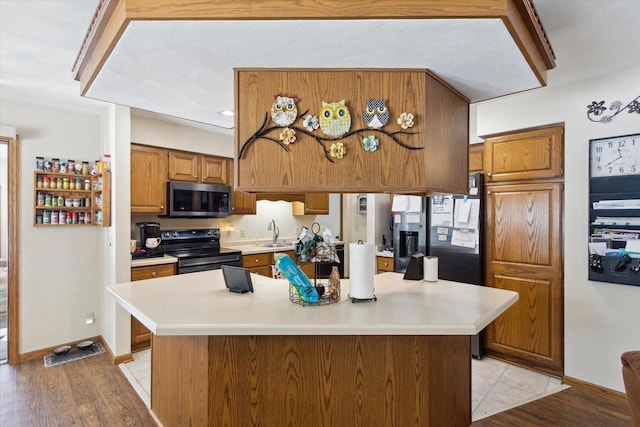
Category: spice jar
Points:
column 40, row 199
column 47, row 199
column 65, row 183
column 39, row 181
column 87, row 184
column 71, row 166
column 45, row 182
column 46, row 217
column 62, row 217
column 54, row 217
column 58, row 182
column 40, row 163
column 55, row 165
column 334, row 281
column 85, row 168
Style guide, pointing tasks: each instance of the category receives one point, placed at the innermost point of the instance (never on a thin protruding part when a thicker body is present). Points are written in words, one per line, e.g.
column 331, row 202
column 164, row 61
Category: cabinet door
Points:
column 476, row 157
column 384, row 264
column 140, row 335
column 214, row 170
column 241, row 203
column 524, row 254
column 524, row 155
column 184, row 166
column 148, row 179
column 316, row 203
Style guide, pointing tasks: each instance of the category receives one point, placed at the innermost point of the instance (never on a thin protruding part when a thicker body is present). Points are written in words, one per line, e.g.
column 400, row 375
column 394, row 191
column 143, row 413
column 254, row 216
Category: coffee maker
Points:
column 149, row 240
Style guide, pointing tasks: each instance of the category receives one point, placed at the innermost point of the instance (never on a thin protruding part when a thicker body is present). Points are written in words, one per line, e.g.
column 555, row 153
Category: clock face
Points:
column 617, row 156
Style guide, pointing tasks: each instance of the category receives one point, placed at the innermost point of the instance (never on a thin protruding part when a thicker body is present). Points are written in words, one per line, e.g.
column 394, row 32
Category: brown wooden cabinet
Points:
column 314, row 204
column 440, row 132
column 241, row 203
column 524, row 243
column 384, row 264
column 476, row 158
column 261, row 263
column 531, row 154
column 148, row 179
column 194, row 167
column 140, row 335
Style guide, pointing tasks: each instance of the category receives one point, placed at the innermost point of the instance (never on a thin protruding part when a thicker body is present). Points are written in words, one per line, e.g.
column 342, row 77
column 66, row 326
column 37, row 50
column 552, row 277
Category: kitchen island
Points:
column 220, row 358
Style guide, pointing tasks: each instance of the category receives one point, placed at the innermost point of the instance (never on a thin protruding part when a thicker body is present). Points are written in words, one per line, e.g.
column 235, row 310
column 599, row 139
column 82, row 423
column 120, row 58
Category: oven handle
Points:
column 222, row 259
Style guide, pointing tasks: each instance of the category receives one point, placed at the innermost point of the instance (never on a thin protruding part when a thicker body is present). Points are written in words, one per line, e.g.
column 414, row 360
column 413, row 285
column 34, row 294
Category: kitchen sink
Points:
column 276, row 245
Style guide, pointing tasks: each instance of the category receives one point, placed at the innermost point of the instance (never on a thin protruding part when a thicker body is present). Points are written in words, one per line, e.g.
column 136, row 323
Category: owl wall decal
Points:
column 284, row 111
column 376, row 113
column 335, row 119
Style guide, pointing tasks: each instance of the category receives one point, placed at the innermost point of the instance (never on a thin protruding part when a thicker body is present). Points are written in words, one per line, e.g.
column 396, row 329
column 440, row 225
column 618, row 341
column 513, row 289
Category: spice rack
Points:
column 90, row 204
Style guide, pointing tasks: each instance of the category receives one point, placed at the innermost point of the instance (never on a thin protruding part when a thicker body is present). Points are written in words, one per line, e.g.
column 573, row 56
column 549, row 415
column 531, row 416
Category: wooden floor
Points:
column 573, row 407
column 86, row 392
column 93, row 392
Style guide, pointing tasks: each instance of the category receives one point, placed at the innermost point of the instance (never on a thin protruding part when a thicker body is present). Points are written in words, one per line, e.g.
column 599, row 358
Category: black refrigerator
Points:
column 456, row 227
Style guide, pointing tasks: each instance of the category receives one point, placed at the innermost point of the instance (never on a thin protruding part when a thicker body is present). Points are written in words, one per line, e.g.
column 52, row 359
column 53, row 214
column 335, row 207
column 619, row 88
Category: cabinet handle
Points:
column 488, row 173
column 153, row 274
column 161, row 206
column 205, row 177
column 489, row 193
column 386, row 264
column 195, row 176
column 257, row 260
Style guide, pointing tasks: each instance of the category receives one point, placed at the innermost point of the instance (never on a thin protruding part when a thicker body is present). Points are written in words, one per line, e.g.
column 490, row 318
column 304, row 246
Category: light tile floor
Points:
column 495, row 386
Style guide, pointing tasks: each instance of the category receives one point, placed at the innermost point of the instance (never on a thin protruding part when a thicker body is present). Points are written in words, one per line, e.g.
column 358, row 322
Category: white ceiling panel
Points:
column 185, row 68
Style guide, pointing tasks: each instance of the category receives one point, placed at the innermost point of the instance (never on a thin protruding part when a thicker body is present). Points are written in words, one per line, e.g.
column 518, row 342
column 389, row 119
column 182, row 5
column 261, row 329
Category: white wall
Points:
column 60, row 267
column 601, row 320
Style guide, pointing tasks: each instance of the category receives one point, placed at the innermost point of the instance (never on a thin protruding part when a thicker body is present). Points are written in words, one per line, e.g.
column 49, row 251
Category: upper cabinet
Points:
column 313, row 204
column 194, row 167
column 476, row 158
column 148, row 179
column 532, row 154
column 371, row 131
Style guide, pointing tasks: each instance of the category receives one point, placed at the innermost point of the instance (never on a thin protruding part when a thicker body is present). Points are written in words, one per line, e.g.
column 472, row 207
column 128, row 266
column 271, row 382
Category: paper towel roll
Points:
column 361, row 270
column 431, row 268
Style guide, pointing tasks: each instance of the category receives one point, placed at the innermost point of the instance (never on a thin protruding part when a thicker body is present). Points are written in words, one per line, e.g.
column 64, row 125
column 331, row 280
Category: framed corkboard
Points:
column 431, row 156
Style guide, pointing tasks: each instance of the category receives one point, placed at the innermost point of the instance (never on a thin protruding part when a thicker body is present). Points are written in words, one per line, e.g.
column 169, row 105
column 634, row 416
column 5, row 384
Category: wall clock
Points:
column 614, row 156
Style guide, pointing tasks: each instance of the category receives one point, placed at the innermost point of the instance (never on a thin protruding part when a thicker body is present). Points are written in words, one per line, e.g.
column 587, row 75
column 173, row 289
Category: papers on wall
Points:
column 633, row 245
column 618, row 220
column 617, row 204
column 464, row 238
column 441, row 211
column 597, row 248
column 403, row 203
column 467, row 213
column 413, row 217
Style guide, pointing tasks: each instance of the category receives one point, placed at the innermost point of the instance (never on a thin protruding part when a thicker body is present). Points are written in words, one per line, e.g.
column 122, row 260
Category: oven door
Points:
column 204, row 263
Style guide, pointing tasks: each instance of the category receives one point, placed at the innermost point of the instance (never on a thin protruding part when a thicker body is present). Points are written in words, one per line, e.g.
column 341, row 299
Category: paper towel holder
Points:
column 415, row 269
column 354, row 299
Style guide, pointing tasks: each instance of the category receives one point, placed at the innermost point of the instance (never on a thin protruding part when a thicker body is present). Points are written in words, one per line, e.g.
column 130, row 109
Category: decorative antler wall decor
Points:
column 596, row 109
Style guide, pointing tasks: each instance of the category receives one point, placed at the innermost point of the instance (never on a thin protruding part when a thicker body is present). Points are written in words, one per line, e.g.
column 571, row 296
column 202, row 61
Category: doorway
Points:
column 9, row 179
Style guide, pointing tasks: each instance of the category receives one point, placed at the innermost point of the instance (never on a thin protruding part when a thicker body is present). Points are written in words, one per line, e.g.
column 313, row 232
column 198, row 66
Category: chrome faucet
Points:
column 276, row 230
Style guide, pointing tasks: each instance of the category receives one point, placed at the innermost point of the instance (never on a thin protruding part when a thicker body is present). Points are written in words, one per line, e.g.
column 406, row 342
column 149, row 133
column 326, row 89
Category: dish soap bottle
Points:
column 334, row 282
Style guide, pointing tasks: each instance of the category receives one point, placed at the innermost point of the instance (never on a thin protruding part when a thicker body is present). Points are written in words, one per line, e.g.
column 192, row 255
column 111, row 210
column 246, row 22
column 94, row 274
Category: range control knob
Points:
column 174, row 234
column 166, row 234
column 209, row 232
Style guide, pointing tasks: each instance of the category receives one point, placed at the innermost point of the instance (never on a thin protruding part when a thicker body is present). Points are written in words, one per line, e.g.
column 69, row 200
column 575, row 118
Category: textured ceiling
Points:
column 39, row 40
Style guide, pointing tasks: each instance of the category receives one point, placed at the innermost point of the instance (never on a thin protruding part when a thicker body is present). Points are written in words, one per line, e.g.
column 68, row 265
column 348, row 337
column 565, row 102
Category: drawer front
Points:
column 262, row 270
column 384, row 263
column 257, row 260
column 152, row 271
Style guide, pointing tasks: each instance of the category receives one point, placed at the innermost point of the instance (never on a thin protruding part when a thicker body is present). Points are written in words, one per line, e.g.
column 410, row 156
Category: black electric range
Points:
column 198, row 250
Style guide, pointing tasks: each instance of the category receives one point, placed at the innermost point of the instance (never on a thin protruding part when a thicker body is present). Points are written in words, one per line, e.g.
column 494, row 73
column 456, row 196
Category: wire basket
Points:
column 330, row 294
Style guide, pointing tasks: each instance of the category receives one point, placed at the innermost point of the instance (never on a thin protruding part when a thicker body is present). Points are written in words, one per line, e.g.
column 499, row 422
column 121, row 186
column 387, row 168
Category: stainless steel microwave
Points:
column 194, row 200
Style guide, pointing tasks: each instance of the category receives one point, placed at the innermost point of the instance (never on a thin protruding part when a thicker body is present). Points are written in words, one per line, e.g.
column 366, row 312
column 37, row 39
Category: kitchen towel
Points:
column 431, row 268
column 361, row 270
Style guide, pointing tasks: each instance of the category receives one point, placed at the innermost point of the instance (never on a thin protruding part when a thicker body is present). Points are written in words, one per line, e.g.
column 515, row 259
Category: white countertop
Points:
column 143, row 262
column 199, row 304
column 385, row 254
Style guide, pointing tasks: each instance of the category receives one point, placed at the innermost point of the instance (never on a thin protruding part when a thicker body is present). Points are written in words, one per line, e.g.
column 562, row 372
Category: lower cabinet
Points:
column 261, row 263
column 140, row 335
column 383, row 264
